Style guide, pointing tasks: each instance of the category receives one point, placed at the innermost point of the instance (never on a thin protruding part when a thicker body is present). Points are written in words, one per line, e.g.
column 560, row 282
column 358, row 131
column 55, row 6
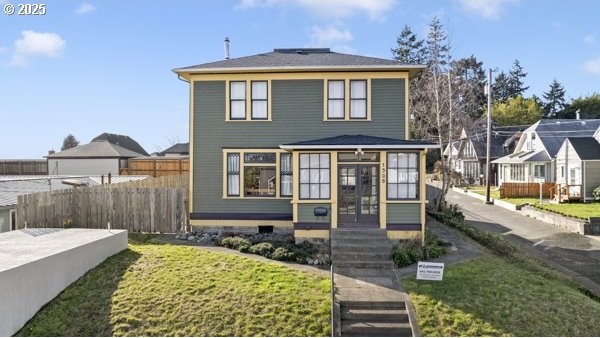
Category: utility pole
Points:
column 489, row 140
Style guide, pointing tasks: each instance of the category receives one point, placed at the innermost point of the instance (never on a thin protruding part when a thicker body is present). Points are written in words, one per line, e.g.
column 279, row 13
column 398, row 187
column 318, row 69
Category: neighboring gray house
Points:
column 278, row 134
column 107, row 153
column 176, row 150
column 578, row 166
column 534, row 157
column 13, row 186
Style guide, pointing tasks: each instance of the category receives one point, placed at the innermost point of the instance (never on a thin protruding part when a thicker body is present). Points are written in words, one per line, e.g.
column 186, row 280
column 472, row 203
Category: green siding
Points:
column 404, row 213
column 306, row 213
column 297, row 115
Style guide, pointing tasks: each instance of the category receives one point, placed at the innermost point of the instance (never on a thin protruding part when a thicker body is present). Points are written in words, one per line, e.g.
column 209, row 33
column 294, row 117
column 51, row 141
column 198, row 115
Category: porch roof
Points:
column 525, row 157
column 359, row 141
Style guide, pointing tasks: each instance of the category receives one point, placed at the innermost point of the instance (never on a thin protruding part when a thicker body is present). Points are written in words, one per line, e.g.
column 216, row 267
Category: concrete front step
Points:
column 375, row 329
column 366, row 235
column 361, row 245
column 400, row 305
column 364, row 264
column 375, row 315
column 349, row 256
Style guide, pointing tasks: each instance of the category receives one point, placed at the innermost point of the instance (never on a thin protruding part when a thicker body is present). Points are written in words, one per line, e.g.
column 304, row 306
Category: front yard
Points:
column 490, row 296
column 495, row 194
column 156, row 289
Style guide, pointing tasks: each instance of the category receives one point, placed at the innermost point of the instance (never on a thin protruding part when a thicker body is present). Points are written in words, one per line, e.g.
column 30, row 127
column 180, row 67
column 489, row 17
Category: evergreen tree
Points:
column 554, row 100
column 500, row 88
column 409, row 49
column 516, row 83
column 470, row 85
column 437, row 46
column 69, row 142
column 588, row 106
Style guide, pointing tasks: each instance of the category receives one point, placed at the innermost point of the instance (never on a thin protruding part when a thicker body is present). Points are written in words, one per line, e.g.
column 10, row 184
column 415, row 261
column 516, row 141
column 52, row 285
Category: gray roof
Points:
column 13, row 186
column 96, row 149
column 552, row 133
column 123, row 141
column 179, row 148
column 587, row 148
column 361, row 140
column 298, row 58
column 525, row 156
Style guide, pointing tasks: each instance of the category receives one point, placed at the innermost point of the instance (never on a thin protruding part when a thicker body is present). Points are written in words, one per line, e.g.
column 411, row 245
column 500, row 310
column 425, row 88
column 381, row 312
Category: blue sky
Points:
column 88, row 67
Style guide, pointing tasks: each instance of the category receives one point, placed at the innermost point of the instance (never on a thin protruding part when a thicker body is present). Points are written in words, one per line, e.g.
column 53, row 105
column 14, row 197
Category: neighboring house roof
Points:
column 96, row 149
column 359, row 141
column 298, row 58
column 525, row 156
column 179, row 148
column 499, row 142
column 122, row 141
column 587, row 148
column 13, row 186
column 552, row 133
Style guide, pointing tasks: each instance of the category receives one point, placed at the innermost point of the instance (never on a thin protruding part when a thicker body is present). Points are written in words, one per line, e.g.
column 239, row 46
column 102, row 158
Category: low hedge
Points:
column 409, row 252
column 269, row 248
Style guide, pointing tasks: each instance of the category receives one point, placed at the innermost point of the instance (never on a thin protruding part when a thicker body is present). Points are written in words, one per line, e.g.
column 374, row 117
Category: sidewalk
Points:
column 575, row 255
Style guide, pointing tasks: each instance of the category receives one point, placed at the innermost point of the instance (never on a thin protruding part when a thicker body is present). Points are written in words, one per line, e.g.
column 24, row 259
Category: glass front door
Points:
column 358, row 195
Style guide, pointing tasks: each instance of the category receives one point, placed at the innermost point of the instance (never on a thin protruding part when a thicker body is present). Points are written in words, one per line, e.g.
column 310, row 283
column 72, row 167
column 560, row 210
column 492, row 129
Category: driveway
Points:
column 571, row 253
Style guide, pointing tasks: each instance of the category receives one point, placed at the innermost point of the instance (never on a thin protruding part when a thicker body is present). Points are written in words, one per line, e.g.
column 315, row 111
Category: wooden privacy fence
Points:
column 157, row 167
column 161, row 210
column 510, row 190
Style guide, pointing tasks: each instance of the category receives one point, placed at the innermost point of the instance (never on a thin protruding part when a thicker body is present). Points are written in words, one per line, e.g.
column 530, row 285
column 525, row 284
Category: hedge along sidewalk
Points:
column 318, row 269
column 502, row 248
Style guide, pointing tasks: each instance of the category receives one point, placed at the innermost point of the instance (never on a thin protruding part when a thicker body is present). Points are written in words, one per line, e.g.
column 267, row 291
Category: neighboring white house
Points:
column 534, row 158
column 107, row 153
column 578, row 166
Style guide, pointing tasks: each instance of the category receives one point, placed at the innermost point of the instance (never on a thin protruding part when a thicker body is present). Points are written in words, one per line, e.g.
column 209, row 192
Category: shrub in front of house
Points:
column 596, row 193
column 283, row 254
column 264, row 249
column 411, row 251
column 236, row 243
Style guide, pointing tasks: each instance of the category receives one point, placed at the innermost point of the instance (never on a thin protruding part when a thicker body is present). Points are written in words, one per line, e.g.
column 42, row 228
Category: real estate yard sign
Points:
column 430, row 271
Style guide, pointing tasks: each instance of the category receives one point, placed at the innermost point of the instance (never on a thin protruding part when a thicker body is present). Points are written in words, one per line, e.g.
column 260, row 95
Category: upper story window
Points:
column 358, row 99
column 237, row 100
column 248, row 100
column 259, row 100
column 336, row 99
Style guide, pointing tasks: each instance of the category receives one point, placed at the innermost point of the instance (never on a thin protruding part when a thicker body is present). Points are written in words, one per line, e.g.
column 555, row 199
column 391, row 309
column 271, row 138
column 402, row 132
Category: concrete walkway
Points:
column 575, row 255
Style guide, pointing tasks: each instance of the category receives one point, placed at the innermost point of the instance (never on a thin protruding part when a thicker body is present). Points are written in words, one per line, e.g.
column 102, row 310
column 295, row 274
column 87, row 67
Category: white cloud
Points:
column 489, row 9
column 326, row 36
column 85, row 8
column 34, row 44
column 376, row 9
column 592, row 67
column 590, row 39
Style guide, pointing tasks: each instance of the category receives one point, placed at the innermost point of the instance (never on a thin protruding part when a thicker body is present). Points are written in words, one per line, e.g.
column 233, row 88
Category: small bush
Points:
column 409, row 252
column 264, row 249
column 236, row 243
column 596, row 193
column 283, row 254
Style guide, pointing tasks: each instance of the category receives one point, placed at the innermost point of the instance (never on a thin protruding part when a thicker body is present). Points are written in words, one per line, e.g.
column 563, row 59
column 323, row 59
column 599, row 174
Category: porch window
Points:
column 260, row 181
column 314, row 176
column 403, row 176
column 237, row 100
column 233, row 174
column 259, row 100
column 285, row 166
column 517, row 172
column 335, row 99
column 539, row 171
column 358, row 99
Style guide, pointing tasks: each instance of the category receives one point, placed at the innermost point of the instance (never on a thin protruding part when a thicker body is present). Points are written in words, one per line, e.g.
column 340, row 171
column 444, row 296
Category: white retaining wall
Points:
column 36, row 268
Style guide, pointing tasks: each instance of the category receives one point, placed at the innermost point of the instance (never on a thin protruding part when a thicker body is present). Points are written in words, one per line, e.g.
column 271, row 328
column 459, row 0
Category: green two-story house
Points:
column 304, row 139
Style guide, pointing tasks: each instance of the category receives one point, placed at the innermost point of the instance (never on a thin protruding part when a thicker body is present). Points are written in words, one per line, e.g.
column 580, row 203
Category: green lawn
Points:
column 578, row 210
column 488, row 296
column 168, row 290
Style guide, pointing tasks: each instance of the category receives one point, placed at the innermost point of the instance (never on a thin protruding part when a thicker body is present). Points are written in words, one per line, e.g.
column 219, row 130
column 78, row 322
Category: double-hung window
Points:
column 403, row 176
column 259, row 100
column 237, row 100
column 358, row 99
column 314, row 176
column 335, row 99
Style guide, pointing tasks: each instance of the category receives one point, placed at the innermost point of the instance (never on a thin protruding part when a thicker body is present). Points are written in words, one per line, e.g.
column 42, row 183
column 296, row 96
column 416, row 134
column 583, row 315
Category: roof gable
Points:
column 587, row 148
column 96, row 149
